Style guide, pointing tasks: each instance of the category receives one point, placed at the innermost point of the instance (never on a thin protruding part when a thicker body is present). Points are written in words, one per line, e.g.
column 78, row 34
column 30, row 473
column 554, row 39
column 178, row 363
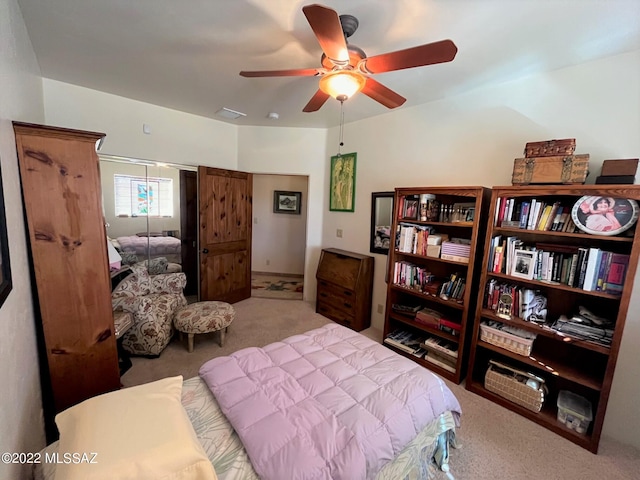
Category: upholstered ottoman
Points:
column 204, row 317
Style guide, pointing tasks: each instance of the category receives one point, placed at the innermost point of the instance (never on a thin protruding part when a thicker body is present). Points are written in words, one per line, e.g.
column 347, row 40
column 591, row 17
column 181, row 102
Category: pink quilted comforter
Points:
column 328, row 404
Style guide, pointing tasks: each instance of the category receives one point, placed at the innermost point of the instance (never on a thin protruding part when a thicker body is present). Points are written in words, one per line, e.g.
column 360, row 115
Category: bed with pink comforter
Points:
column 328, row 404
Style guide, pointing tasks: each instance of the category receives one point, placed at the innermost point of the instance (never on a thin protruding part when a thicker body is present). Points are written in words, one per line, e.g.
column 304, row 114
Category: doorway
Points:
column 279, row 235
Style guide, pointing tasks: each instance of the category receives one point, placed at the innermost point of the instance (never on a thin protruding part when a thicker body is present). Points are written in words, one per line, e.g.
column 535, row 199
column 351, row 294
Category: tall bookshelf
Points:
column 563, row 359
column 434, row 281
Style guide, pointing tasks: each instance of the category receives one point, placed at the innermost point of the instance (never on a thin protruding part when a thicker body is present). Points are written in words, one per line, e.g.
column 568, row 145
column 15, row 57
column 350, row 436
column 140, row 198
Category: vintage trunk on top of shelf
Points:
column 550, row 148
column 568, row 169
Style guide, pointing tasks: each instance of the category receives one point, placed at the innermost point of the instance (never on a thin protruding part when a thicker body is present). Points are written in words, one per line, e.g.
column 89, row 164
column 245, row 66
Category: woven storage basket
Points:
column 508, row 341
column 512, row 385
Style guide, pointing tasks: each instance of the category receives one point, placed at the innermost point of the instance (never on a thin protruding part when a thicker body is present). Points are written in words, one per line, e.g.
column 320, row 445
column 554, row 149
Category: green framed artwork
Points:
column 342, row 192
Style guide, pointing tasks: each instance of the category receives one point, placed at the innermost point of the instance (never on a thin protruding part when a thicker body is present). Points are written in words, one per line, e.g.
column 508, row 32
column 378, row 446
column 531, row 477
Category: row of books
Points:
column 591, row 269
column 534, row 215
column 417, row 239
column 526, row 303
column 408, row 275
column 412, row 276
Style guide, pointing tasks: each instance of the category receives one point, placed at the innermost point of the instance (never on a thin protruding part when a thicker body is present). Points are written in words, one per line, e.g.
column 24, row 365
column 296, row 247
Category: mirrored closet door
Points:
column 148, row 212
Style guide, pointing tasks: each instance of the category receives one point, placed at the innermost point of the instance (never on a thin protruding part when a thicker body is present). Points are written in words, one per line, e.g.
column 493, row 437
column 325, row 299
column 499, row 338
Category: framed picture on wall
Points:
column 342, row 191
column 287, row 202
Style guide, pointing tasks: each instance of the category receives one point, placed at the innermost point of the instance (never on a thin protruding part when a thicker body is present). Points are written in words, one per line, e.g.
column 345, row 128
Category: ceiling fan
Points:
column 346, row 69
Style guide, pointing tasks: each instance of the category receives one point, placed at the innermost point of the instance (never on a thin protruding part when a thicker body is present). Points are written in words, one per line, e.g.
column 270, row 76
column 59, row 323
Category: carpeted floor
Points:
column 276, row 286
column 496, row 443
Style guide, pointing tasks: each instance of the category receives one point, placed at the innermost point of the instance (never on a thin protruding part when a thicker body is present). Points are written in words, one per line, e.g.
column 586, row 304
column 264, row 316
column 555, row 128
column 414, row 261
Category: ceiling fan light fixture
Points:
column 342, row 84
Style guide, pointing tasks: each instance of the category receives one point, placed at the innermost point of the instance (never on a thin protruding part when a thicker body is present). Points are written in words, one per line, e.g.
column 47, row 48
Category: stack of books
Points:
column 456, row 250
column 441, row 352
column 407, row 342
column 586, row 326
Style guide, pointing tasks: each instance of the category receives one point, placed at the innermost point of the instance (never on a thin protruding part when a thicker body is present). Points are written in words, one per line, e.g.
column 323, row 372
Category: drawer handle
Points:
column 348, row 292
column 323, row 294
column 348, row 305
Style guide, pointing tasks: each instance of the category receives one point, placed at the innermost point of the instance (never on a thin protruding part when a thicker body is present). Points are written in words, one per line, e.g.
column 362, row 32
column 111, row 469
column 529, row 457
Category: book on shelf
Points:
column 524, row 214
column 440, row 360
column 405, row 309
column 429, row 316
column 450, row 327
column 618, row 265
column 405, row 340
column 593, row 260
column 576, row 327
column 441, row 346
column 419, row 353
column 454, row 258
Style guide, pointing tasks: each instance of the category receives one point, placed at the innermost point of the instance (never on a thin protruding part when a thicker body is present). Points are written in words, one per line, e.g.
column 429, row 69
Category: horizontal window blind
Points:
column 142, row 196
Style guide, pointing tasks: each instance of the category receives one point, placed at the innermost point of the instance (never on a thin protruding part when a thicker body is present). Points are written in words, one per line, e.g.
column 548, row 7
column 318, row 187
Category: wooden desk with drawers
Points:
column 345, row 284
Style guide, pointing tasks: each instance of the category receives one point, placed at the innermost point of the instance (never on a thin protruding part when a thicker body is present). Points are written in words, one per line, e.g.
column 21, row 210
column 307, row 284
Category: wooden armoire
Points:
column 60, row 176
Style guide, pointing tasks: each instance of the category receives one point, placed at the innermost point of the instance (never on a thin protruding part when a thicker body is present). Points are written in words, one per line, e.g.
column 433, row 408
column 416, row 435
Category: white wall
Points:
column 292, row 151
column 281, row 238
column 176, row 137
column 473, row 139
column 466, row 140
column 21, row 421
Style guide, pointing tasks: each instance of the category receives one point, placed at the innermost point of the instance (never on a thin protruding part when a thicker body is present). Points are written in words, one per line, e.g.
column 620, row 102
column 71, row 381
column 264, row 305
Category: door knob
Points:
column 205, row 250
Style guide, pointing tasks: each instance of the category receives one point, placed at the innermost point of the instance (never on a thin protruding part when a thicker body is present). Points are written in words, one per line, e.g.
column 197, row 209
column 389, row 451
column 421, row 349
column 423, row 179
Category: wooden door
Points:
column 225, row 234
column 189, row 229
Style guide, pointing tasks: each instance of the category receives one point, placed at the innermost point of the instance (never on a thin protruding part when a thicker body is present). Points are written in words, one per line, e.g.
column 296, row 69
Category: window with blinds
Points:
column 142, row 196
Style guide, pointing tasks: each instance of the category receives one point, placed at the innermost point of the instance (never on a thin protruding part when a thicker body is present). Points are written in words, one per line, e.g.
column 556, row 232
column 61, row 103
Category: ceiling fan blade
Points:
column 326, row 25
column 316, row 102
column 429, row 54
column 382, row 94
column 300, row 72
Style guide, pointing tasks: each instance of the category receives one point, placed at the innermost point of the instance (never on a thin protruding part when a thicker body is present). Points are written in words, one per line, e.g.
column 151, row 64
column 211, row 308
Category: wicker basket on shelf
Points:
column 506, row 340
column 522, row 388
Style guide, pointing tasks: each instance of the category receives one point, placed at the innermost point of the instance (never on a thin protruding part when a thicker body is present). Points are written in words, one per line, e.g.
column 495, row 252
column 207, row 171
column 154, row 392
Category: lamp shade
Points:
column 342, row 84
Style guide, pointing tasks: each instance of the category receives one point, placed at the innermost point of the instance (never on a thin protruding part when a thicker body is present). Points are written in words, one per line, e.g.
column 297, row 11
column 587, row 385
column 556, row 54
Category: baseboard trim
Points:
column 295, row 275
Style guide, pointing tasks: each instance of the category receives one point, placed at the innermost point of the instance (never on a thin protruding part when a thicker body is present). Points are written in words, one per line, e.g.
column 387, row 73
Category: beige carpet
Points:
column 495, row 443
column 276, row 286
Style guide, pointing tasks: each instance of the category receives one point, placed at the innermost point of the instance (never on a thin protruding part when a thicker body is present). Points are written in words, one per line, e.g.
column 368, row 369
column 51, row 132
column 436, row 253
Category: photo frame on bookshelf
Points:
column 410, row 209
column 523, row 264
column 600, row 215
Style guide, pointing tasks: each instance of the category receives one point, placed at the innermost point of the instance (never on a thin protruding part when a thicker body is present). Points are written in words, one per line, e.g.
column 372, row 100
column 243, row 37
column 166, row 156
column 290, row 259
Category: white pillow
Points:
column 136, row 433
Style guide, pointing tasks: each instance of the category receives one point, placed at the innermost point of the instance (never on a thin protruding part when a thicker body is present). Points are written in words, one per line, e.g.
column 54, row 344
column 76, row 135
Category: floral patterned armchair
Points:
column 153, row 300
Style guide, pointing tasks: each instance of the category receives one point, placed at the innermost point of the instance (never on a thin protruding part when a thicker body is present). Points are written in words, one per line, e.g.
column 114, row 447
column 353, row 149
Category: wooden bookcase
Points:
column 465, row 223
column 563, row 361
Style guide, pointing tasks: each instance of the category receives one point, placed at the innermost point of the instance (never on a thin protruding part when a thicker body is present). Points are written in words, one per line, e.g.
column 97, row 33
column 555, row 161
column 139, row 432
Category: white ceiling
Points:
column 186, row 54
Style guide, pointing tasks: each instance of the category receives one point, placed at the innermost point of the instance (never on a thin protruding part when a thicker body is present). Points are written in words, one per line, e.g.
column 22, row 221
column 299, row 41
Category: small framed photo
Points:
column 410, row 209
column 287, row 202
column 524, row 263
column 604, row 215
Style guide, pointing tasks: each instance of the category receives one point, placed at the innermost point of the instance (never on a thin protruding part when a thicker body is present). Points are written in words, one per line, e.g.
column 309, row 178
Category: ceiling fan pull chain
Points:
column 341, row 144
